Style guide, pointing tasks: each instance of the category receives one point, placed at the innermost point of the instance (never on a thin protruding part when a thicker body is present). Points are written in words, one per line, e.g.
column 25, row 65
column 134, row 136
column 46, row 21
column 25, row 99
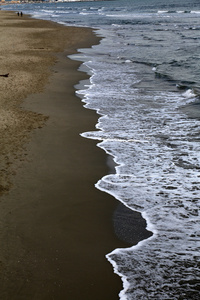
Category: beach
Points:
column 56, row 227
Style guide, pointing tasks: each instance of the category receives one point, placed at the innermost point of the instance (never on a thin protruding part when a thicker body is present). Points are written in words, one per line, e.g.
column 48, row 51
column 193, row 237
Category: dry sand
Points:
column 56, row 227
column 27, row 50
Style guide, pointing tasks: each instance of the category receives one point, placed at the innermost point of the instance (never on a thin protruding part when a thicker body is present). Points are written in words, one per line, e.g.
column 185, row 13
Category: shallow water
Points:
column 145, row 86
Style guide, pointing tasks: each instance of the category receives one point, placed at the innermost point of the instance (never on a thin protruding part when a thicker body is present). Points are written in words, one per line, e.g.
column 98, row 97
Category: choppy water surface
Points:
column 145, row 86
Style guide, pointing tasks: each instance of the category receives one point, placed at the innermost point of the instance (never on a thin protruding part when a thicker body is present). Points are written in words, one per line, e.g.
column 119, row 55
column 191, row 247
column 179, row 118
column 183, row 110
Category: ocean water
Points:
column 145, row 86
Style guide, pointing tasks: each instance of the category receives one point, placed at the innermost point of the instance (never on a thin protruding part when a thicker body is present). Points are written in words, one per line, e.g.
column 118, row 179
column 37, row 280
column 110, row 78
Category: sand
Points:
column 56, row 227
column 26, row 52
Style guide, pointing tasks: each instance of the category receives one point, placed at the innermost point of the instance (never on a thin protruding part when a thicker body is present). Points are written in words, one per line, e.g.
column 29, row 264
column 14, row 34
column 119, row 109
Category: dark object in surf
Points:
column 4, row 75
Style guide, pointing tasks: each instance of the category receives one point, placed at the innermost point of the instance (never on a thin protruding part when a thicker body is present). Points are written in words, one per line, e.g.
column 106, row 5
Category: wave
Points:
column 163, row 76
column 178, row 12
column 189, row 94
column 195, row 12
column 162, row 11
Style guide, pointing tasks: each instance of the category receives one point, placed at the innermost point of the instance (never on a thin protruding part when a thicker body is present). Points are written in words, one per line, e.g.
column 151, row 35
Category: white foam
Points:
column 48, row 11
column 189, row 94
column 125, row 282
column 126, row 285
column 116, row 25
column 156, row 151
column 84, row 13
column 162, row 11
column 195, row 11
column 146, row 140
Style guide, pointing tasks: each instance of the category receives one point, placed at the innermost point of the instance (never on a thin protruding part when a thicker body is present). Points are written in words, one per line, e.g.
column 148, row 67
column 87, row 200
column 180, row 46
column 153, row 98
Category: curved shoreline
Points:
column 56, row 226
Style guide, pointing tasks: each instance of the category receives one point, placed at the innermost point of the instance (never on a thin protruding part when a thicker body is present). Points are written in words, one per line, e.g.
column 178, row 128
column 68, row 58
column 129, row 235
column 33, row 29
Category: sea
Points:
column 145, row 86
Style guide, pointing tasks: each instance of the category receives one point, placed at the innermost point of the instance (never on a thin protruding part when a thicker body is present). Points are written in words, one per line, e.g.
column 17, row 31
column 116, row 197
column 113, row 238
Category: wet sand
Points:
column 56, row 227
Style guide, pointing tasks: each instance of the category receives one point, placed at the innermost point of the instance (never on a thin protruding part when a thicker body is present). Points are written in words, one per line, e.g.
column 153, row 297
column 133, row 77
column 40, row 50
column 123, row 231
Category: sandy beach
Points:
column 56, row 227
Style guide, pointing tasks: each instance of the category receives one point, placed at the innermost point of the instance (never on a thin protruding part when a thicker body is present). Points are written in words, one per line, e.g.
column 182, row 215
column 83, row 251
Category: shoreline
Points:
column 47, row 238
column 56, row 226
